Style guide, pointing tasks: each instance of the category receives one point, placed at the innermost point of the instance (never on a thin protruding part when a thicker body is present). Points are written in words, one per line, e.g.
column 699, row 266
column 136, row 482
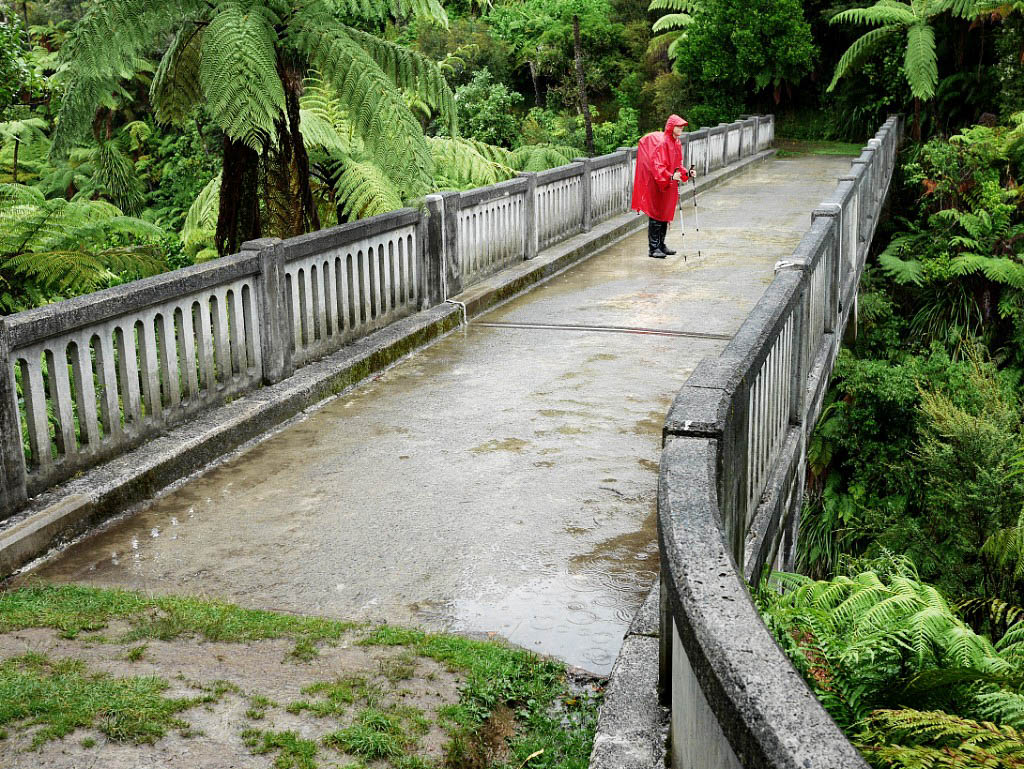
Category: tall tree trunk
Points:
column 580, row 83
column 289, row 204
column 238, row 218
column 300, row 158
column 917, row 119
column 536, row 88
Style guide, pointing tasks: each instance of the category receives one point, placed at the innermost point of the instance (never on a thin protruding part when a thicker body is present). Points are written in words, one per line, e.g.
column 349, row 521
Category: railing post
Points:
column 530, row 214
column 275, row 334
column 630, row 154
column 431, row 232
column 587, row 192
column 451, row 264
column 835, row 277
column 12, row 459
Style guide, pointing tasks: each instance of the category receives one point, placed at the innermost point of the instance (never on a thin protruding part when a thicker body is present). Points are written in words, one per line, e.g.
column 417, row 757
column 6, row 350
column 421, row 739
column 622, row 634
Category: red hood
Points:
column 672, row 122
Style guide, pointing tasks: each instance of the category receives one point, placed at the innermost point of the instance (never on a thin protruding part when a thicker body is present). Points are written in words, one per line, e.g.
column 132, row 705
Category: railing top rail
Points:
column 516, row 186
column 351, row 232
column 812, row 247
column 40, row 323
column 773, row 720
column 557, row 174
column 752, row 342
column 611, row 159
column 767, row 713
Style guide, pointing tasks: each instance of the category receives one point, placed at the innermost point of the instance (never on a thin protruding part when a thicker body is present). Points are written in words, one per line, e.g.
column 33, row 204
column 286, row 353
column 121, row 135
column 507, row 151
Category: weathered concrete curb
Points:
column 68, row 510
column 633, row 727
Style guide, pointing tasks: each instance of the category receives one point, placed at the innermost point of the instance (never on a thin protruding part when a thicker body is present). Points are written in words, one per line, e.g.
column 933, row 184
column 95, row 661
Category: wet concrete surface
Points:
column 504, row 479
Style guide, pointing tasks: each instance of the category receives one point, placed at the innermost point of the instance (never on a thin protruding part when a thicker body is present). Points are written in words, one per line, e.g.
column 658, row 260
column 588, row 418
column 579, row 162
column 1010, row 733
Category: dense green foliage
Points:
column 899, row 670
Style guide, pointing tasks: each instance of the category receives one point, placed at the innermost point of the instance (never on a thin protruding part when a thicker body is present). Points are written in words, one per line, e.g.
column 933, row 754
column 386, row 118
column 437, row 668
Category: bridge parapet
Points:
column 730, row 491
column 86, row 380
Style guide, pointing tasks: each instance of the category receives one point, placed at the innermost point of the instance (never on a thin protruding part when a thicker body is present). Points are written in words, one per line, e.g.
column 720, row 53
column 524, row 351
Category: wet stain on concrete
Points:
column 648, row 464
column 515, row 445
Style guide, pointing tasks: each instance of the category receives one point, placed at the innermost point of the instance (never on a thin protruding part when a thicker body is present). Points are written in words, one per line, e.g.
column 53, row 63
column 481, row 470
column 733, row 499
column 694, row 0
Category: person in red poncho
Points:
column 659, row 169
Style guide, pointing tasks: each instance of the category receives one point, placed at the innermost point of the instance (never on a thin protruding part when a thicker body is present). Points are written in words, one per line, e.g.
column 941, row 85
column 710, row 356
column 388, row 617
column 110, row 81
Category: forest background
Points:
column 139, row 136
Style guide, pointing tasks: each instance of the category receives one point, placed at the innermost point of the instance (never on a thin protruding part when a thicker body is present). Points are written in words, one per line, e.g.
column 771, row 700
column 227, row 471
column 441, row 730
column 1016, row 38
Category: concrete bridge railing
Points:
column 730, row 492
column 91, row 378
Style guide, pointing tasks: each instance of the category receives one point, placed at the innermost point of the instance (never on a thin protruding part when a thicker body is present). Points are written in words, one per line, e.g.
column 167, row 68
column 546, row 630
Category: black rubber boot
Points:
column 661, row 237
column 654, row 239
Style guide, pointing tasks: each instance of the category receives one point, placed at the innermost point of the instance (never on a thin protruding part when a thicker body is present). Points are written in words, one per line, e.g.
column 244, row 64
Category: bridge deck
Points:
column 502, row 480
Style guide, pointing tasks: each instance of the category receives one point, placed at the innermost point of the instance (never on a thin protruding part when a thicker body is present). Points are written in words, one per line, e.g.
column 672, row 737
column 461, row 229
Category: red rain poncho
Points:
column 658, row 156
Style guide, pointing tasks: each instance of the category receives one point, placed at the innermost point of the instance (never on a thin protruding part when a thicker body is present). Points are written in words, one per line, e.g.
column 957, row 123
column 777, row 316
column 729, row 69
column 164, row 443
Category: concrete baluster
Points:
column 12, row 458
column 271, row 309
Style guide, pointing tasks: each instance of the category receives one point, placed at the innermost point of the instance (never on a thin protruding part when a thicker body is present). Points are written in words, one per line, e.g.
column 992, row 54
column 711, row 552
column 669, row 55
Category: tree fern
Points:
column 69, row 247
column 105, row 45
column 669, row 27
column 914, row 18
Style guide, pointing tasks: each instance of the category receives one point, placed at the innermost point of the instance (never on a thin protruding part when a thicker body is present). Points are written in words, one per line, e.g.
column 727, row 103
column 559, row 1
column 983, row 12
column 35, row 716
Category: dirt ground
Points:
column 247, row 675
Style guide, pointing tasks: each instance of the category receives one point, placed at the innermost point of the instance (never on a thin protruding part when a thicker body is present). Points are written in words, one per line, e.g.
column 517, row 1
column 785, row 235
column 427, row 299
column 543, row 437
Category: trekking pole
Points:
column 682, row 227
column 696, row 221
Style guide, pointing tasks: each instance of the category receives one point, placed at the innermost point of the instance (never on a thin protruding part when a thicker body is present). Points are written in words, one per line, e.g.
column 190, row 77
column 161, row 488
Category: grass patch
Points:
column 338, row 696
column 136, row 653
column 376, row 734
column 399, row 668
column 72, row 609
column 498, row 678
column 258, row 705
column 293, row 752
column 61, row 696
column 305, row 650
column 796, row 148
column 512, row 703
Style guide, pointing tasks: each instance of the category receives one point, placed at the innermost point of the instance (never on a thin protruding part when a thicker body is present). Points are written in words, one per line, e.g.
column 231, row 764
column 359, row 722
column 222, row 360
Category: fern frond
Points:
column 65, row 246
column 413, row 71
column 319, row 131
column 539, row 157
column 374, row 105
column 879, row 13
column 676, row 6
column 363, row 190
column 1001, row 270
column 200, row 225
column 459, row 161
column 671, row 21
column 115, row 174
column 921, row 62
column 944, row 730
column 859, row 50
column 238, row 73
column 176, row 88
